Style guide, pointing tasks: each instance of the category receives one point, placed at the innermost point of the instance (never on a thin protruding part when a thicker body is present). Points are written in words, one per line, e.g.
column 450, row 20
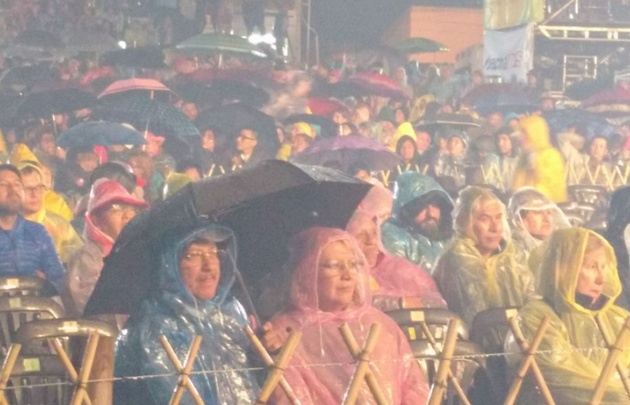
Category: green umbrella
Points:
column 420, row 45
column 221, row 44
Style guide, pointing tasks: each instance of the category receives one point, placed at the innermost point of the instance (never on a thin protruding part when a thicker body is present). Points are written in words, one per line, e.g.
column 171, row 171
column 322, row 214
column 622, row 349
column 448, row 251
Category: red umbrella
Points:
column 379, row 85
column 325, row 106
column 614, row 105
column 148, row 86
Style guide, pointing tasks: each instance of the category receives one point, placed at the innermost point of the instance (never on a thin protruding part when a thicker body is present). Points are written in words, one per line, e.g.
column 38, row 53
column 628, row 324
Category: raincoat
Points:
column 400, row 234
column 530, row 199
column 618, row 221
column 571, row 373
column 321, row 368
column 469, row 282
column 543, row 166
column 173, row 312
column 394, row 276
column 66, row 239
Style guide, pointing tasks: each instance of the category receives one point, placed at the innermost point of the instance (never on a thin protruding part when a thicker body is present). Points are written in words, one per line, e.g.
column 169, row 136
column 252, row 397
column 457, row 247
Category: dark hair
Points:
column 188, row 164
column 10, row 168
column 115, row 171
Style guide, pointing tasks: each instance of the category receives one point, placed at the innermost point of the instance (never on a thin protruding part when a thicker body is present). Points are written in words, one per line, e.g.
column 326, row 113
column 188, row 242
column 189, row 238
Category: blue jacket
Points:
column 220, row 368
column 27, row 248
column 401, row 236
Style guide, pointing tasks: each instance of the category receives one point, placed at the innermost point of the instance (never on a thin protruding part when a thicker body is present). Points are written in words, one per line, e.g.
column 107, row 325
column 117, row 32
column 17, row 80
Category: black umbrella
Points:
column 340, row 90
column 88, row 134
column 222, row 90
column 146, row 114
column 150, row 57
column 450, row 119
column 231, row 118
column 54, row 99
column 33, row 44
column 27, row 76
column 264, row 205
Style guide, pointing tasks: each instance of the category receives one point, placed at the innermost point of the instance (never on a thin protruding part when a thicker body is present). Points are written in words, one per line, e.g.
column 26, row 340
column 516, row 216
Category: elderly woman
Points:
column 483, row 268
column 329, row 288
column 579, row 282
column 392, row 277
column 195, row 277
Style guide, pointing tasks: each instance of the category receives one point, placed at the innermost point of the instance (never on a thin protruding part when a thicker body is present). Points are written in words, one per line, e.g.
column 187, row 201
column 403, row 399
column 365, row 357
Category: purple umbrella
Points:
column 343, row 151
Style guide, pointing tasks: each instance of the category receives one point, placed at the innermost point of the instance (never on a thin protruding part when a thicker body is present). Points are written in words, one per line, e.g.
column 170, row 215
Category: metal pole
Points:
column 308, row 32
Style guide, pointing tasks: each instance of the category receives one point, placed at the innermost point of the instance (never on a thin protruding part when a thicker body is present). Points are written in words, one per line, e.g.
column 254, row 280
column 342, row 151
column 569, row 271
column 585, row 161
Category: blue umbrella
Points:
column 589, row 124
column 89, row 134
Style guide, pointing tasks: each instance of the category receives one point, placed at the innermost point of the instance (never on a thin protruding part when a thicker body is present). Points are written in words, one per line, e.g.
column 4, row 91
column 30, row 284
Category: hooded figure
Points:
column 617, row 235
column 540, row 166
column 413, row 238
column 392, row 276
column 189, row 301
column 578, row 281
column 483, row 268
column 329, row 287
column 533, row 217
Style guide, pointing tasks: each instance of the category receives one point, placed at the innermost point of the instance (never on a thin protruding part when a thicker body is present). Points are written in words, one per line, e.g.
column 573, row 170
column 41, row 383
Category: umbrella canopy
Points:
column 27, row 76
column 143, row 86
column 231, row 118
column 346, row 150
column 340, row 90
column 208, row 44
column 152, row 115
column 34, row 45
column 90, row 41
column 589, row 124
column 385, row 57
column 89, row 134
column 378, row 84
column 326, row 106
column 585, row 88
column 451, row 119
column 613, row 104
column 220, row 91
column 264, row 205
column 501, row 97
column 420, row 45
column 54, row 99
column 149, row 57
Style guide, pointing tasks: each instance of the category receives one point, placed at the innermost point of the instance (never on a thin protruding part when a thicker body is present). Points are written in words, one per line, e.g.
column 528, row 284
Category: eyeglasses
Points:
column 336, row 269
column 125, row 209
column 38, row 189
column 247, row 137
column 197, row 257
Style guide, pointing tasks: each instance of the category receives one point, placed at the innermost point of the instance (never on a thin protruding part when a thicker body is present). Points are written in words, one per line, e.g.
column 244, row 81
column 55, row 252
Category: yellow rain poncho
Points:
column 542, row 166
column 469, row 282
column 571, row 371
column 65, row 238
column 54, row 202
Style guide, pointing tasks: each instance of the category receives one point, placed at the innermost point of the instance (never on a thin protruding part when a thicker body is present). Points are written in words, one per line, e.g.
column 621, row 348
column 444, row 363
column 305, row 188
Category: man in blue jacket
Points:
column 26, row 249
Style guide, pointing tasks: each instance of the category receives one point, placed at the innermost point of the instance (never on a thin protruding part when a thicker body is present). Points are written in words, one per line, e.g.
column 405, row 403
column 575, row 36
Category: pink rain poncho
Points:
column 392, row 276
column 321, row 368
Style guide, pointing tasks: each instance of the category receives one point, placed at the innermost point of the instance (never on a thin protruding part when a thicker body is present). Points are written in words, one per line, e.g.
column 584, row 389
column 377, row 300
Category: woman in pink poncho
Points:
column 329, row 287
column 393, row 276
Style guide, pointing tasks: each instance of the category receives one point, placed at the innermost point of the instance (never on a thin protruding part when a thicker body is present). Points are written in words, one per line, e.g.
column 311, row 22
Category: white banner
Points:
column 509, row 53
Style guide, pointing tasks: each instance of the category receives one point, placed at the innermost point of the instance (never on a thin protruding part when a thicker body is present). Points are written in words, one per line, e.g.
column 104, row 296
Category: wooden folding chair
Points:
column 52, row 331
column 615, row 350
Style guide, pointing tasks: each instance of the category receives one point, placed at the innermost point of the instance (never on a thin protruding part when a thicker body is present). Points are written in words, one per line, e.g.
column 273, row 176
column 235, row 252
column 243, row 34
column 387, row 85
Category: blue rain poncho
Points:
column 221, row 366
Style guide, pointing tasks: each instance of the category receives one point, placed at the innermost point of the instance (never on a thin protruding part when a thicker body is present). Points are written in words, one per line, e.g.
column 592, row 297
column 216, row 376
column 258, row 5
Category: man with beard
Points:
column 26, row 249
column 421, row 220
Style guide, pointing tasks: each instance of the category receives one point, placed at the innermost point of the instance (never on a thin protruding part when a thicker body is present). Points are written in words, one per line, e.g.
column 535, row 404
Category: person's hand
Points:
column 272, row 338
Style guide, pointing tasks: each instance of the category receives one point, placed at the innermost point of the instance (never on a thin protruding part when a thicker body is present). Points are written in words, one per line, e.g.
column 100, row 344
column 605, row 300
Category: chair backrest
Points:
column 490, row 327
column 38, row 380
column 31, row 286
column 578, row 213
column 590, row 194
column 436, row 319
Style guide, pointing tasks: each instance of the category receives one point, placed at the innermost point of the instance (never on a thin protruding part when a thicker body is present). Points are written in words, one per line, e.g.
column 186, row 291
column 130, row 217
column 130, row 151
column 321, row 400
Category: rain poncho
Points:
column 394, row 276
column 543, row 166
column 378, row 202
column 400, row 234
column 530, row 199
column 321, row 368
column 66, row 239
column 618, row 221
column 570, row 372
column 172, row 311
column 471, row 284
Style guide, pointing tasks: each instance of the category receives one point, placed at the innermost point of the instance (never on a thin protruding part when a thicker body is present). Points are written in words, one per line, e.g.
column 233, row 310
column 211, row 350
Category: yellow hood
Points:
column 561, row 264
column 536, row 131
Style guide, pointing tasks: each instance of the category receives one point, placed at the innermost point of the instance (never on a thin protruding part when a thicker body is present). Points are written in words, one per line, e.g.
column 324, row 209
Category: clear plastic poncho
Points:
column 222, row 374
column 322, row 366
column 530, row 199
column 471, row 284
column 573, row 368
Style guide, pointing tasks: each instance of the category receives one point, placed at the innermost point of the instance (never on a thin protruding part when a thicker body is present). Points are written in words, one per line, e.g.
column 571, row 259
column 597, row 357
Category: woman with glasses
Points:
column 196, row 270
column 329, row 287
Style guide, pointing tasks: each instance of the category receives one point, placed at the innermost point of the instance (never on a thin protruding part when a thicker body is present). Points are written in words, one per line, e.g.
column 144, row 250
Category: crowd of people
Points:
column 470, row 214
